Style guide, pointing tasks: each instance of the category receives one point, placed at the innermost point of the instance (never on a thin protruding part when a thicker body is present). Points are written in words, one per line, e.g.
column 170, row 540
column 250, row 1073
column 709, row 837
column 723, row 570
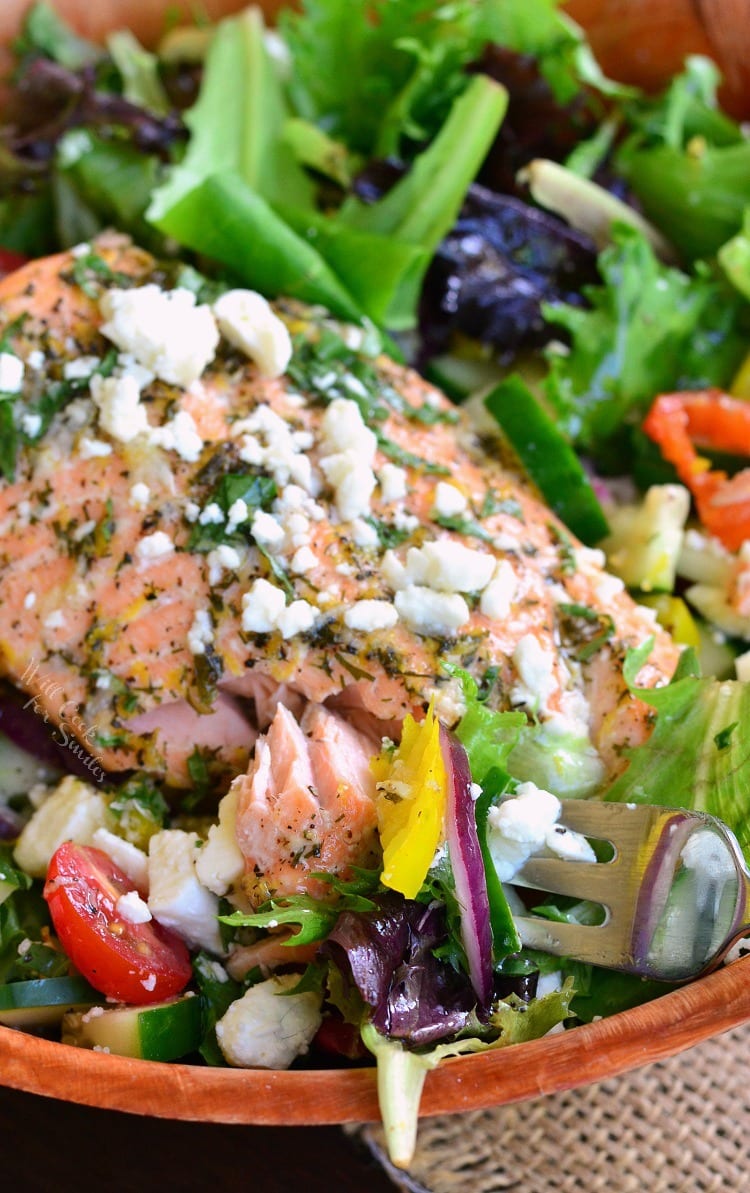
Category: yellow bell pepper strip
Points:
column 411, row 800
column 677, row 422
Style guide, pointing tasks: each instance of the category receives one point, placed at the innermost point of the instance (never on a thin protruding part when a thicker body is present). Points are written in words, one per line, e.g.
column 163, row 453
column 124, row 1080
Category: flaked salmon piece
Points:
column 382, row 552
column 305, row 805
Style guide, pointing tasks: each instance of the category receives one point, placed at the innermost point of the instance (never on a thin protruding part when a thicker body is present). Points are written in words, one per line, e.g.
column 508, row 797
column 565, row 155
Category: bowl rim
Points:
column 312, row 1097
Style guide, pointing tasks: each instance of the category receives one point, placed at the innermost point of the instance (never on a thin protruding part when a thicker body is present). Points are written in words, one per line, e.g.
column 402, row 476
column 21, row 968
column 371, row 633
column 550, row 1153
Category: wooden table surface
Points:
column 56, row 1147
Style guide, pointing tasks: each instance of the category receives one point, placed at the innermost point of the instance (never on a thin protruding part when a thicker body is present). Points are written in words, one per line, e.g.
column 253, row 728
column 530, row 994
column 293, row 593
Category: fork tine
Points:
column 581, row 880
column 584, row 942
column 602, row 821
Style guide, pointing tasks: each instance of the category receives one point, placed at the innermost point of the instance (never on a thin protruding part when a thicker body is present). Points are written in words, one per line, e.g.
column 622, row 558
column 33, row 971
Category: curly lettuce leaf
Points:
column 401, row 1073
column 698, row 753
column 688, row 163
column 404, row 60
column 649, row 329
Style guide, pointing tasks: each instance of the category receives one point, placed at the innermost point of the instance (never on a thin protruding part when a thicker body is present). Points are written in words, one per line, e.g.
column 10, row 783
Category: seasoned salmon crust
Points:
column 213, row 507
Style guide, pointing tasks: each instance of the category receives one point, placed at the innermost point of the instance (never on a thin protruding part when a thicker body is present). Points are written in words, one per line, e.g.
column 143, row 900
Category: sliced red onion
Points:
column 22, row 720
column 468, row 867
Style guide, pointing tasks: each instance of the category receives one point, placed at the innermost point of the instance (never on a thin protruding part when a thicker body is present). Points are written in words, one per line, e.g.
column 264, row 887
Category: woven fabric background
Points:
column 680, row 1126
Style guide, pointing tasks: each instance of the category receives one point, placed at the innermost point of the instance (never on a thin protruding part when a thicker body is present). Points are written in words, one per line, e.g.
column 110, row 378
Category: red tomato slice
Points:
column 133, row 963
column 10, row 261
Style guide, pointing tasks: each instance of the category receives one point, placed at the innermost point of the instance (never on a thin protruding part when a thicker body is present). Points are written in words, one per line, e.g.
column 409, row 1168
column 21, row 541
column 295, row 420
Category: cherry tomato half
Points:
column 133, row 963
column 10, row 261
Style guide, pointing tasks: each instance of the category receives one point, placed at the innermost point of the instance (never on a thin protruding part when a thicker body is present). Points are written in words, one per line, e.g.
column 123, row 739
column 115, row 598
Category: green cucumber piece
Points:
column 44, row 1001
column 548, row 459
column 162, row 1031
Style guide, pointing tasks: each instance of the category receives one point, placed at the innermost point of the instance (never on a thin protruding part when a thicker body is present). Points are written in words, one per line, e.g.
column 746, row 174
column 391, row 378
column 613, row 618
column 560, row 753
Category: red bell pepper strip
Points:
column 680, row 421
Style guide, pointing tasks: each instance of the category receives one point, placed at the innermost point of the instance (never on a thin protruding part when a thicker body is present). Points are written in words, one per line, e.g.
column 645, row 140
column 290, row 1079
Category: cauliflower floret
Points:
column 267, row 1028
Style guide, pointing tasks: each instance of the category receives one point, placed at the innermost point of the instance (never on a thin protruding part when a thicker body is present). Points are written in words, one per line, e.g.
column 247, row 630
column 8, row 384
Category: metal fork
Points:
column 675, row 894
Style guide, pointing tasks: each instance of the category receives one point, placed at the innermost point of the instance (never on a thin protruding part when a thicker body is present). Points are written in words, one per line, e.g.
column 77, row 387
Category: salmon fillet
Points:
column 384, row 546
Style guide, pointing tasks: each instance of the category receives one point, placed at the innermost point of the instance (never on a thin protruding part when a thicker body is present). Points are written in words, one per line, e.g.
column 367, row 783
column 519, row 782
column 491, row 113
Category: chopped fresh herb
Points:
column 388, row 535
column 140, row 810
column 357, row 673
column 407, row 459
column 568, row 563
column 199, row 770
column 590, row 643
column 90, row 272
column 256, row 489
column 466, row 526
column 277, row 571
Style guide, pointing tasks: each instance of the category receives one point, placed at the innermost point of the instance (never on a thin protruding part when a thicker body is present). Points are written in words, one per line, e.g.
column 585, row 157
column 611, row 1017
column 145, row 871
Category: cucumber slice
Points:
column 43, row 1001
column 163, row 1031
column 548, row 459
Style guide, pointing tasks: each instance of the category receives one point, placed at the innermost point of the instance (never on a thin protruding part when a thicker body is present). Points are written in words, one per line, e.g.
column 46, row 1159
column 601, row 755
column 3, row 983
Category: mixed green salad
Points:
column 566, row 255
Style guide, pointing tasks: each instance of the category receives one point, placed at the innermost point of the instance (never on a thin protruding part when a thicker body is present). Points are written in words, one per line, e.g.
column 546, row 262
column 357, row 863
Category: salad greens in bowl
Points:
column 299, row 654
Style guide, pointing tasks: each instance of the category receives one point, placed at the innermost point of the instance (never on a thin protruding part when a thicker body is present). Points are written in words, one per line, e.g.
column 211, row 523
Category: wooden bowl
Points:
column 638, row 40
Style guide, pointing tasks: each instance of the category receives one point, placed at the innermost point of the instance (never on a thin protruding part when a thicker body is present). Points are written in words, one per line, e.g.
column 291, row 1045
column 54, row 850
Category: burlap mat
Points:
column 679, row 1126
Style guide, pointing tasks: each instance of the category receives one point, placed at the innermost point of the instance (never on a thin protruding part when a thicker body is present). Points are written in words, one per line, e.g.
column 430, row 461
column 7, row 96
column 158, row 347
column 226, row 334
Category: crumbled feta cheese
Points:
column 191, row 511
column 353, row 482
column 266, row 530
column 449, row 566
column 303, row 561
column 430, row 612
column 72, row 812
column 139, row 495
column 222, row 559
column 11, row 373
column 211, row 515
column 179, row 435
column 261, row 607
column 536, row 674
column 392, row 481
column 121, row 412
column 249, row 323
column 404, row 521
column 368, row 616
column 131, row 860
column 269, row 1027
column 238, row 513
column 36, row 360
column 349, row 447
column 220, row 863
column 31, row 424
column 449, row 501
column 393, row 570
column 131, row 907
column 363, row 534
column 163, row 329
column 177, row 899
column 497, row 597
column 54, row 620
column 268, row 441
column 94, row 449
column 201, row 632
column 296, row 618
column 81, row 368
column 527, row 822
column 154, row 547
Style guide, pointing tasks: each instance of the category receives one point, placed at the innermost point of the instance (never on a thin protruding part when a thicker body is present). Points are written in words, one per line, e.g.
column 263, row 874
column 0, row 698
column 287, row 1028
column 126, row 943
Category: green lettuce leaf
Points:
column 404, row 67
column 734, row 258
column 649, row 329
column 237, row 123
column 688, row 163
column 698, row 753
column 44, row 32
